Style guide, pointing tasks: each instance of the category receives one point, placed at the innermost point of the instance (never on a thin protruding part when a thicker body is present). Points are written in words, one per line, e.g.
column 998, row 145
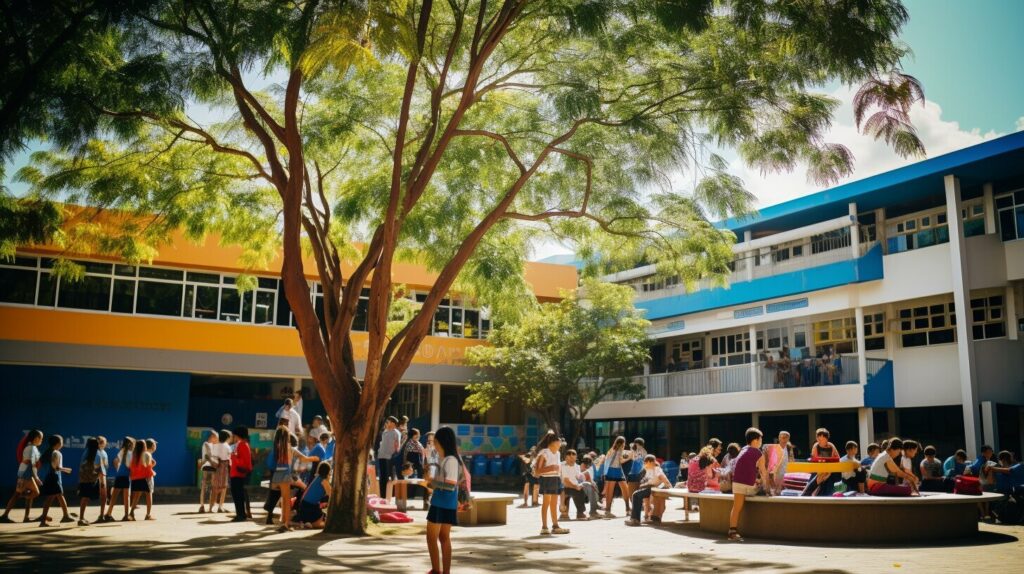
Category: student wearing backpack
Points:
column 444, row 503
column 89, row 470
column 28, row 475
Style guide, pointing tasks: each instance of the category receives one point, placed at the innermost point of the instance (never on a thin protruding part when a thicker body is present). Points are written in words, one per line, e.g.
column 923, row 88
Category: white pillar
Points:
column 755, row 420
column 866, row 428
column 961, row 299
column 990, row 208
column 854, row 231
column 435, row 406
column 880, row 230
column 862, row 358
column 1011, row 313
column 890, row 417
column 749, row 255
column 990, row 424
column 705, row 435
column 890, row 331
column 753, row 363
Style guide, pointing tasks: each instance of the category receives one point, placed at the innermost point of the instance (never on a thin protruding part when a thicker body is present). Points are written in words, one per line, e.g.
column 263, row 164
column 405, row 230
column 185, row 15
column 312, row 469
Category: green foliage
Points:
column 572, row 354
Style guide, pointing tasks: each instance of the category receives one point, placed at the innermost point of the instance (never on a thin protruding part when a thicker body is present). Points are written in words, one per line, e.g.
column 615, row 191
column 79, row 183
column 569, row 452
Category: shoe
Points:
column 595, row 515
column 608, row 514
column 734, row 536
column 632, row 522
column 6, row 520
column 270, row 520
column 559, row 530
column 221, row 510
column 582, row 517
column 82, row 522
column 563, row 516
column 239, row 519
column 150, row 517
column 66, row 520
column 284, row 528
column 655, row 520
column 545, row 532
column 202, row 510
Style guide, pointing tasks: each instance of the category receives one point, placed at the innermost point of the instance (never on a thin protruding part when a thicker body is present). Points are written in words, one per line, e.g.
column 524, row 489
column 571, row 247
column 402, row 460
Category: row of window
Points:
column 160, row 291
column 1010, row 215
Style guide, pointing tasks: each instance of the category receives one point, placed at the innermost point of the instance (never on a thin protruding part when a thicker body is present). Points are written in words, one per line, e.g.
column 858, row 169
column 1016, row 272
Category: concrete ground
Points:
column 181, row 540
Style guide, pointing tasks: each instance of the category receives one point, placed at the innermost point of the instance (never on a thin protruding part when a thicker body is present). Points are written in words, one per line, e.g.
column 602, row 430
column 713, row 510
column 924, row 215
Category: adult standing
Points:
column 291, row 416
column 390, row 442
column 241, row 468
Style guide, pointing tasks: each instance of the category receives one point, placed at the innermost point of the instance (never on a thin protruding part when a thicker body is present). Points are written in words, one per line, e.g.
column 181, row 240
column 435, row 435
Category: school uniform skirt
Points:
column 122, row 482
column 140, row 485
column 549, row 484
column 89, row 490
column 220, row 476
column 614, row 474
column 439, row 515
column 51, row 485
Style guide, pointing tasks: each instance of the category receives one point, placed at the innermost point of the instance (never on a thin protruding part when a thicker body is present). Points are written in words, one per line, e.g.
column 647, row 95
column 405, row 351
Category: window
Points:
column 731, row 349
column 689, row 352
column 830, row 240
column 874, row 331
column 156, row 298
column 18, row 285
column 838, row 334
column 973, row 215
column 988, row 319
column 1010, row 215
column 90, row 293
column 919, row 231
column 933, row 324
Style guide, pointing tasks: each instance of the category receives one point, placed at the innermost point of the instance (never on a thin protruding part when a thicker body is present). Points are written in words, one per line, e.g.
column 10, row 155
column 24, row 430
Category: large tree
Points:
column 456, row 133
column 565, row 357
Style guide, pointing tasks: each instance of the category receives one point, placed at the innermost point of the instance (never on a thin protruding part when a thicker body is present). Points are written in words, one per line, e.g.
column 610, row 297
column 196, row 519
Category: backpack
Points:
column 967, row 485
column 87, row 471
column 21, row 447
column 465, row 494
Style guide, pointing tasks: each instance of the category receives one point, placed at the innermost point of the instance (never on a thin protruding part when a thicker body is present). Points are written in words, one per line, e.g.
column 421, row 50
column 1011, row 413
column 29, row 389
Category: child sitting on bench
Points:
column 853, row 479
column 885, row 473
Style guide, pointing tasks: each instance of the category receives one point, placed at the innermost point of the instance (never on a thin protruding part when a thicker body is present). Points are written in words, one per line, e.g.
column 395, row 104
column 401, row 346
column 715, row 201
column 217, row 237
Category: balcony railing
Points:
column 737, row 378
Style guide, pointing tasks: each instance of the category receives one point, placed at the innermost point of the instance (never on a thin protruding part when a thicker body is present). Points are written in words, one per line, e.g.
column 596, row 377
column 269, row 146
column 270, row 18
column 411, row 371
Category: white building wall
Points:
column 926, row 376
column 1014, row 259
column 986, row 263
column 1000, row 370
column 910, row 275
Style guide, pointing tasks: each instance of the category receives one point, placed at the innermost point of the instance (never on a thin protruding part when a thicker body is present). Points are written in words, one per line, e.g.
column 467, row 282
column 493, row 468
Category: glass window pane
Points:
column 18, row 286
column 94, row 267
column 978, row 315
column 938, row 321
column 978, row 332
column 920, row 311
column 47, row 290
column 921, row 323
column 266, row 283
column 20, row 262
column 190, row 295
column 158, row 298
column 1004, row 201
column 230, row 304
column 362, row 315
column 1007, row 227
column 995, row 330
column 935, row 309
column 264, row 307
column 457, row 329
column 124, row 270
column 1020, row 222
column 974, row 227
column 90, row 292
column 206, row 302
column 247, row 307
column 914, row 340
column 156, row 273
column 939, row 337
column 203, row 277
column 471, row 327
column 124, row 296
column 284, row 310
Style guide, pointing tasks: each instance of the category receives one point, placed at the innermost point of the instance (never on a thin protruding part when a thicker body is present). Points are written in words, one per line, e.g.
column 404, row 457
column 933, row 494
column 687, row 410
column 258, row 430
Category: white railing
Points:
column 812, row 372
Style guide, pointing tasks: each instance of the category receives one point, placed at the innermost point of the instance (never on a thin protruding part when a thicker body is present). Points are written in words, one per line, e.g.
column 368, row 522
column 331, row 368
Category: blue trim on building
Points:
column 866, row 268
column 879, row 392
column 988, row 161
column 748, row 312
column 789, row 305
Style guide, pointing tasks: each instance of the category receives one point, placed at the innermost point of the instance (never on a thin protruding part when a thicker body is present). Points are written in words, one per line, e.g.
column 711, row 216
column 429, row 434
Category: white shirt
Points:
column 294, row 419
column 390, row 442
column 548, row 458
column 571, row 472
column 29, row 456
column 315, row 432
column 653, row 477
column 221, row 451
column 853, row 473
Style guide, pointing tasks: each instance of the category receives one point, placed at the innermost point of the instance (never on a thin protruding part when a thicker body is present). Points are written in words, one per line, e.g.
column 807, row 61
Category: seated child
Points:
column 931, row 472
column 586, row 482
column 873, row 450
column 910, row 448
column 884, row 477
column 853, row 479
column 652, row 477
column 821, row 483
column 309, row 514
column 728, row 465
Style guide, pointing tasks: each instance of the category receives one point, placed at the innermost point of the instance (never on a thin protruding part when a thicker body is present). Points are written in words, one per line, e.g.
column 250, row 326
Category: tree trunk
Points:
column 346, row 511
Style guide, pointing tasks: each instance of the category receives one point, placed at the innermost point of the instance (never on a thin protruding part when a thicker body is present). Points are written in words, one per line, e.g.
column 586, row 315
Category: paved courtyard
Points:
column 181, row 540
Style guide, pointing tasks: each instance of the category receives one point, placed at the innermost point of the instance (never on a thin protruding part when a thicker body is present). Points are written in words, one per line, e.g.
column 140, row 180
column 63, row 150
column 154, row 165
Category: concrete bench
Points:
column 487, row 508
column 666, row 493
column 851, row 519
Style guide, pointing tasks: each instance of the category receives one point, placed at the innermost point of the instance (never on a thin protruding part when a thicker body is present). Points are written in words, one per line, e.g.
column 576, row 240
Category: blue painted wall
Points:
column 79, row 403
column 879, row 393
column 866, row 268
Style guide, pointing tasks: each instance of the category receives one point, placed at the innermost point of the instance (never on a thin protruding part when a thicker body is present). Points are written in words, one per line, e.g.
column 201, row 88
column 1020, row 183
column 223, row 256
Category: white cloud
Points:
column 1020, row 124
column 871, row 156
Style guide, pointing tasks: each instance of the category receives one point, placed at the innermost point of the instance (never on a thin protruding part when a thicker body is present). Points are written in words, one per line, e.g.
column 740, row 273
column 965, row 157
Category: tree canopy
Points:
column 456, row 133
column 566, row 356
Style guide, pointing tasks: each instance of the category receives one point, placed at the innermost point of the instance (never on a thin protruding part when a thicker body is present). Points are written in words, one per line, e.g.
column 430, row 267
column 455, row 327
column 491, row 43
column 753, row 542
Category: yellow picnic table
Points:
column 819, row 467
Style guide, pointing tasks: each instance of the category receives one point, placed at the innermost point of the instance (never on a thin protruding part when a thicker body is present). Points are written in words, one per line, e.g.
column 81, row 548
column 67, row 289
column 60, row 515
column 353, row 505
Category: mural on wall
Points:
column 489, row 439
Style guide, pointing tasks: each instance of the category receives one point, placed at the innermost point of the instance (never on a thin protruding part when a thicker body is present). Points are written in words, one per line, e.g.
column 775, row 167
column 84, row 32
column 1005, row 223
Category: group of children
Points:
column 125, row 481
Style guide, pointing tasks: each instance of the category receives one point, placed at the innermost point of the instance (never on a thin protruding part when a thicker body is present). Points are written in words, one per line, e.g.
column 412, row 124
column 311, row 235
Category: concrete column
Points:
column 435, row 406
column 1011, row 313
column 854, row 231
column 880, row 230
column 753, row 364
column 866, row 428
column 890, row 331
column 862, row 359
column 755, row 420
column 990, row 424
column 990, row 208
column 812, row 425
column 747, row 236
column 647, row 368
column 961, row 299
column 891, row 419
column 704, row 432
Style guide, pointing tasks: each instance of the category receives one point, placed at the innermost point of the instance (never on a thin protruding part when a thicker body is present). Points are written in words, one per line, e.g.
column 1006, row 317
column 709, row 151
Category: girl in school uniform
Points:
column 89, row 471
column 548, row 467
column 614, row 475
column 28, row 474
column 284, row 453
column 309, row 513
column 444, row 502
column 141, row 472
column 53, row 486
column 122, row 478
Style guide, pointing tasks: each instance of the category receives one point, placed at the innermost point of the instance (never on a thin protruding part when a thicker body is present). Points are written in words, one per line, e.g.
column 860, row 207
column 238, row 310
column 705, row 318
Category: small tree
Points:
column 565, row 356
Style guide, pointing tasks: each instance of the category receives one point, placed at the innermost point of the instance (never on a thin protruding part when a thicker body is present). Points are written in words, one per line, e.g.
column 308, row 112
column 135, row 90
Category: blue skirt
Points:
column 439, row 515
column 614, row 474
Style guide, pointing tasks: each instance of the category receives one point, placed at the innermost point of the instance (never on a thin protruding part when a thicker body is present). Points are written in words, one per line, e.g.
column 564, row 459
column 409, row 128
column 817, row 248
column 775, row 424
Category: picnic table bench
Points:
column 487, row 508
column 666, row 493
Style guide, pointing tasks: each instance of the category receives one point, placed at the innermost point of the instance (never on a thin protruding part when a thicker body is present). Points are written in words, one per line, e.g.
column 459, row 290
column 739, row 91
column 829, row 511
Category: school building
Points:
column 153, row 350
column 890, row 306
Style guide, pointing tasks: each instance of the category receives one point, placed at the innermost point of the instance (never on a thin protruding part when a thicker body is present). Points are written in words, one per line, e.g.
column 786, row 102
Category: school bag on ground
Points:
column 87, row 471
column 967, row 485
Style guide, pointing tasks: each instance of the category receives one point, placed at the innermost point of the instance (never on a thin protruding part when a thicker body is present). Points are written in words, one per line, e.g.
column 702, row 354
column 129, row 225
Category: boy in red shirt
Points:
column 241, row 468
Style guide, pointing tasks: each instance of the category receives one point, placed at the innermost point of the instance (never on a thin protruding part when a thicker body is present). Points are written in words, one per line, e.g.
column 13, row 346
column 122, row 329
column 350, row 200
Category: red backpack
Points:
column 21, row 447
column 967, row 485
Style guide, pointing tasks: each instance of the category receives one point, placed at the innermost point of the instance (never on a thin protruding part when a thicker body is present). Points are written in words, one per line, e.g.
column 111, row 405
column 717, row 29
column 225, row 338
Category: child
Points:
column 208, row 467
column 653, row 477
column 284, row 452
column 1009, row 476
column 309, row 513
column 141, row 472
column 613, row 474
column 885, row 473
column 725, row 471
column 444, row 502
column 636, row 453
column 873, row 450
column 104, row 463
column 589, row 486
column 981, row 468
column 241, row 467
column 910, row 448
column 548, row 466
column 89, row 471
column 854, row 479
column 570, row 475
column 778, row 462
column 28, row 475
column 931, row 472
column 317, row 429
column 749, row 466
column 820, row 483
column 401, row 487
column 53, row 486
column 122, row 478
column 529, row 480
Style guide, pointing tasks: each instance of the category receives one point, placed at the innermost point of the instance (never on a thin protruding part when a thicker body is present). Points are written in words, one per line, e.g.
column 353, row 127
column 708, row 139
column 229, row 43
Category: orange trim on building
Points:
column 141, row 331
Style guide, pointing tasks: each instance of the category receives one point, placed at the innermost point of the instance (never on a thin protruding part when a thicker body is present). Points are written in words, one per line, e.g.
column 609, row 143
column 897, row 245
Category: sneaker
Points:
column 6, row 520
column 66, row 520
column 559, row 530
column 202, row 510
column 582, row 517
column 595, row 515
column 82, row 522
column 545, row 532
column 632, row 522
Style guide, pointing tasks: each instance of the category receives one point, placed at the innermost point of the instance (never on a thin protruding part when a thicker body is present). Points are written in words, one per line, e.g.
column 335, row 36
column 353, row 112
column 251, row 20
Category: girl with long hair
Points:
column 614, row 475
column 53, row 486
column 282, row 480
column 444, row 502
column 122, row 477
column 222, row 452
column 28, row 473
column 88, row 478
column 141, row 470
column 548, row 466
